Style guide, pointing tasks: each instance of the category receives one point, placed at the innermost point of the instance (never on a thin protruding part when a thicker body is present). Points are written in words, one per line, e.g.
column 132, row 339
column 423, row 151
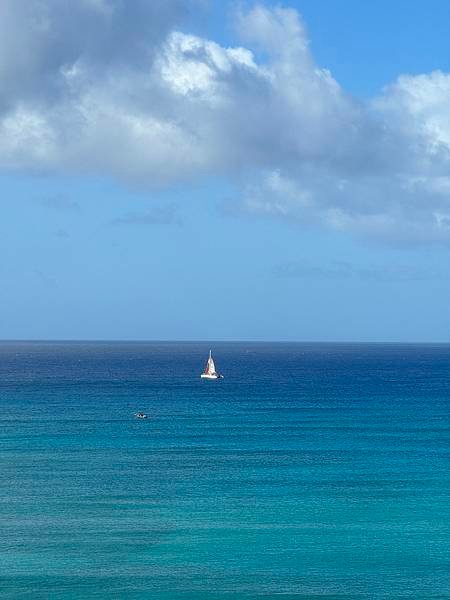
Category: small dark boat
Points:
column 140, row 415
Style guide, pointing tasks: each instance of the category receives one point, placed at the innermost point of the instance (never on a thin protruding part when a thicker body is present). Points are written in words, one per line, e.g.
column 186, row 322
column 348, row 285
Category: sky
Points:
column 205, row 170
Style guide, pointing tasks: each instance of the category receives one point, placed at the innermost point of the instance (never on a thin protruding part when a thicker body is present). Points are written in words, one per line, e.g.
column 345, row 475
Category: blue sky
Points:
column 200, row 170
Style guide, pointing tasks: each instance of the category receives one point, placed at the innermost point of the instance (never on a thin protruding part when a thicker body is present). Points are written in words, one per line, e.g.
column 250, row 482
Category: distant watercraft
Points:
column 140, row 415
column 210, row 370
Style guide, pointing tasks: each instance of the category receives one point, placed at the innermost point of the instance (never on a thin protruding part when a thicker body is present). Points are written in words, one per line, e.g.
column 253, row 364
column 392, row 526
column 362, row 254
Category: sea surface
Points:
column 310, row 471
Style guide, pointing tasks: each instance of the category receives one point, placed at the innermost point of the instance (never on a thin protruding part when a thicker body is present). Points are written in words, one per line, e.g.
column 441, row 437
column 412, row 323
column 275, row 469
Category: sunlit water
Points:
column 309, row 471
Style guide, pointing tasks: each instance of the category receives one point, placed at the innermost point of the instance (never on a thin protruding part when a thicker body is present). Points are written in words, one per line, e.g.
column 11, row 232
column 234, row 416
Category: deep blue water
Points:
column 310, row 471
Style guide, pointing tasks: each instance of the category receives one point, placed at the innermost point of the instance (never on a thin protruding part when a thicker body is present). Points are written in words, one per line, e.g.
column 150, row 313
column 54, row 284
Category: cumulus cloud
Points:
column 40, row 39
column 108, row 87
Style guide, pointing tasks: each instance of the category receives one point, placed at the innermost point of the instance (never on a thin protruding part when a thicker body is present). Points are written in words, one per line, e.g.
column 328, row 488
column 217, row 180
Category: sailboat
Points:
column 210, row 370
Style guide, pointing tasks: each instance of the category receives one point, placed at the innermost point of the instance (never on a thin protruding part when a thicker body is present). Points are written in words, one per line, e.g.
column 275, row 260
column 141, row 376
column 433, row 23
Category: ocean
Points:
column 310, row 471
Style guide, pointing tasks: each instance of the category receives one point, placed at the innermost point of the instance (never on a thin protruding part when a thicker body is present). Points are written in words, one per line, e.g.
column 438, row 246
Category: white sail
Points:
column 211, row 365
column 210, row 369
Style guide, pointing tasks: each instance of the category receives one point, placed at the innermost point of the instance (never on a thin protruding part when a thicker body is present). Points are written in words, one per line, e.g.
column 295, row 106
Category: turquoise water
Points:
column 310, row 471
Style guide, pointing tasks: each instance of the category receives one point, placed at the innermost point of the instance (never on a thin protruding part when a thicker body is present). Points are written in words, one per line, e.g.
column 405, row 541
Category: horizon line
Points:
column 200, row 341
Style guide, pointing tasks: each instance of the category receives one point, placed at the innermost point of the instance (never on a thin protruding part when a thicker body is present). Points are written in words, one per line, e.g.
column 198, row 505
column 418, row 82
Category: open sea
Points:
column 311, row 471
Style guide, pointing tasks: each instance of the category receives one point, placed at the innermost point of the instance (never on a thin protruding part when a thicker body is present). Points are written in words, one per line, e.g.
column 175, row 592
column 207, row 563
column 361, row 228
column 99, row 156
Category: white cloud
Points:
column 191, row 65
column 105, row 87
column 419, row 107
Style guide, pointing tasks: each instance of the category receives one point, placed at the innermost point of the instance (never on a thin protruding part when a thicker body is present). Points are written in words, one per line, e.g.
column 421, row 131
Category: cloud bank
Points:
column 116, row 88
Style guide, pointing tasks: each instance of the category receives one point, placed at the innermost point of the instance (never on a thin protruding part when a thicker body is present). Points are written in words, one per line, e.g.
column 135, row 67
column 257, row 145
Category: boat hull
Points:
column 207, row 376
